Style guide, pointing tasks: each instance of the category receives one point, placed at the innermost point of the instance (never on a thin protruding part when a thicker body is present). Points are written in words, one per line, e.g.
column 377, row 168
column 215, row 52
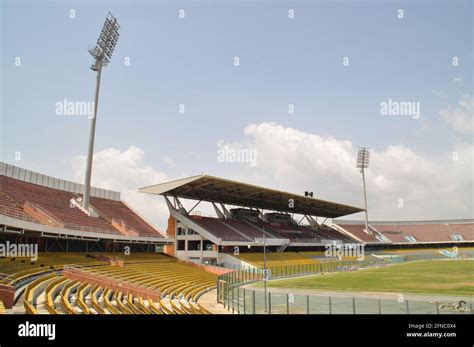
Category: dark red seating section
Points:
column 333, row 234
column 112, row 209
column 9, row 207
column 466, row 230
column 295, row 232
column 245, row 228
column 321, row 233
column 56, row 203
column 398, row 233
column 249, row 231
column 427, row 232
column 218, row 229
column 358, row 231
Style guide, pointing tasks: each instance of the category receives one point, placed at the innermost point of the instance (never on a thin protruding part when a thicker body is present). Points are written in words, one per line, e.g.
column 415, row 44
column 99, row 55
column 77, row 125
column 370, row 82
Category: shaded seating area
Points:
column 219, row 228
column 246, row 228
column 240, row 230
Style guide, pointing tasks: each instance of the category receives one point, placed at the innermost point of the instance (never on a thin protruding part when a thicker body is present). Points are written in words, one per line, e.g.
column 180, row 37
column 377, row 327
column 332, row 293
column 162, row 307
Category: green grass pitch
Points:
column 445, row 277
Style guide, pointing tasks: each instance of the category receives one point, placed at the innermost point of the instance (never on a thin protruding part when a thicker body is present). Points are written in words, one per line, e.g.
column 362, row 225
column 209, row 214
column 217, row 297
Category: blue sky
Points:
column 190, row 62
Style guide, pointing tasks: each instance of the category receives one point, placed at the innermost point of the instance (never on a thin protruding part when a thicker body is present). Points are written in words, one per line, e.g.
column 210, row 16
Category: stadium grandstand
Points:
column 409, row 232
column 82, row 268
column 247, row 216
column 76, row 284
column 43, row 208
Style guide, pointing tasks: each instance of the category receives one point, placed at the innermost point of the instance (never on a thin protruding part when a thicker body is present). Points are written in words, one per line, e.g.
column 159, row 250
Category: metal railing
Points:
column 238, row 299
column 11, row 212
column 241, row 300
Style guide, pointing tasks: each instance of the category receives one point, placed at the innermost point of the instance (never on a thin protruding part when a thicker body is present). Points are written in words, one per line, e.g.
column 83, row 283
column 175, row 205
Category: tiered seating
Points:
column 113, row 209
column 180, row 285
column 248, row 231
column 218, row 228
column 394, row 235
column 402, row 233
column 40, row 204
column 246, row 228
column 267, row 227
column 9, row 207
column 427, row 232
column 24, row 268
column 357, row 230
column 301, row 233
column 293, row 232
column 54, row 202
column 331, row 234
column 466, row 230
column 175, row 280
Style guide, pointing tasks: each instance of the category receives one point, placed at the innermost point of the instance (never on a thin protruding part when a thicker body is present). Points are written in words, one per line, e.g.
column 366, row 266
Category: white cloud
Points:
column 126, row 172
column 430, row 187
column 461, row 118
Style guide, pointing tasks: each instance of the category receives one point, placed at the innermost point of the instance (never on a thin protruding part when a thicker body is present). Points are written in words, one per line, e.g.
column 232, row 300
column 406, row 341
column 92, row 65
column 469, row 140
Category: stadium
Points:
column 113, row 261
column 224, row 171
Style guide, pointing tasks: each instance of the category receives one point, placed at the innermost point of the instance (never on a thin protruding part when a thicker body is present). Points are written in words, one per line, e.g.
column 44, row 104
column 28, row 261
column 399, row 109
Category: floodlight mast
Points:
column 363, row 157
column 102, row 53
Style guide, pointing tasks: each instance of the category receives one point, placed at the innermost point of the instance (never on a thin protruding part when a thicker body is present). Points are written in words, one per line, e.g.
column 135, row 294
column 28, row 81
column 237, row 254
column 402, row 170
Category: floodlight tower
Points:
column 363, row 157
column 102, row 53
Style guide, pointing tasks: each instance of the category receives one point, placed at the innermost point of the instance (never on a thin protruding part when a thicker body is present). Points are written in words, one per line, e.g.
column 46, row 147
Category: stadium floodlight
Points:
column 363, row 157
column 103, row 50
column 102, row 53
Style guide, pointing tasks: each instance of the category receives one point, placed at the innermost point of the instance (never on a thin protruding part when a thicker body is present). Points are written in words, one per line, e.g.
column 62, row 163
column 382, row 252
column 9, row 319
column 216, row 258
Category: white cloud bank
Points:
column 292, row 160
column 429, row 187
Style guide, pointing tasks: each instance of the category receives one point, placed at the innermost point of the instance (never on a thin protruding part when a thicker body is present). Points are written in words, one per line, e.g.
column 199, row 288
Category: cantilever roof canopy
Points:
column 220, row 190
